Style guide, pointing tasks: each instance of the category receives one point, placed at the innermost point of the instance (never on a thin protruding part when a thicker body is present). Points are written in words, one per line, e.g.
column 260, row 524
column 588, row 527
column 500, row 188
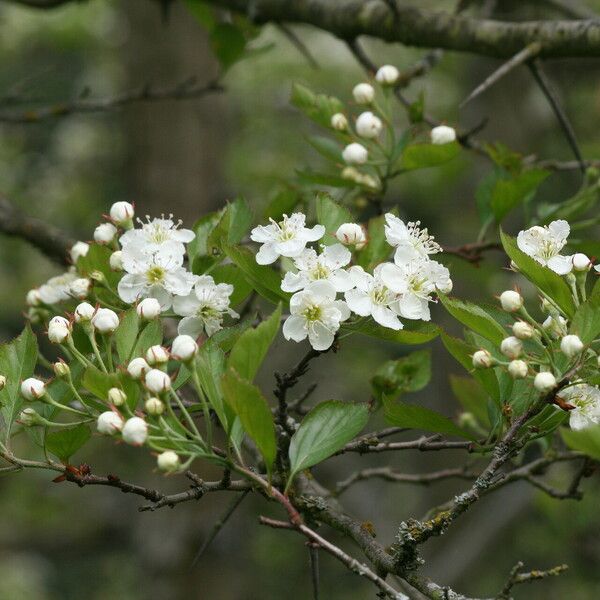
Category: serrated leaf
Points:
column 586, row 322
column 377, row 249
column 235, row 277
column 233, row 225
column 65, row 442
column 508, row 192
column 407, row 374
column 126, row 334
column 423, row 156
column 331, row 215
column 151, row 335
column 415, row 332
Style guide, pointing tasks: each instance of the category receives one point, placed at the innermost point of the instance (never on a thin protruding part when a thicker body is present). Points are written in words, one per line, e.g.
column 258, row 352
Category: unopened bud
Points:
column 135, row 431
column 59, row 329
column 84, row 312
column 571, row 345
column 33, row 389
column 157, row 381
column 363, row 93
column 137, row 368
column 517, row 369
column 61, row 369
column 350, row 234
column 148, row 309
column 168, row 461
column 2, row 382
column 368, row 125
column 78, row 250
column 511, row 301
column 105, row 233
column 105, row 321
column 339, row 122
column 28, row 417
column 544, row 382
column 116, row 260
column 154, row 407
column 355, row 154
column 80, row 288
column 523, row 330
column 109, row 423
column 442, row 135
column 511, row 347
column 33, row 298
column 121, row 213
column 482, row 359
column 387, row 75
column 117, row 396
column 184, row 348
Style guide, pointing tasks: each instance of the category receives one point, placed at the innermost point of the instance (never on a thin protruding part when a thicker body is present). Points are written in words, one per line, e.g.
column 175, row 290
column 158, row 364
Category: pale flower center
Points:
column 208, row 312
column 420, row 238
column 312, row 313
column 155, row 274
column 380, row 295
column 319, row 272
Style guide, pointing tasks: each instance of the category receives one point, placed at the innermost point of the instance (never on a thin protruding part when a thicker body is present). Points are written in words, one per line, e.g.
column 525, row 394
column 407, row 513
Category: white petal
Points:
column 336, row 256
column 341, row 280
column 267, row 254
column 290, row 248
column 163, row 296
column 405, row 252
column 131, row 287
column 293, row 282
column 313, row 234
column 319, row 336
column 186, row 306
column 413, row 307
column 343, row 308
column 192, row 326
column 295, row 328
column 179, row 282
column 362, row 280
column 263, row 234
column 561, row 264
column 183, row 235
column 386, row 317
column 560, row 229
column 322, row 289
column 359, row 302
column 393, row 277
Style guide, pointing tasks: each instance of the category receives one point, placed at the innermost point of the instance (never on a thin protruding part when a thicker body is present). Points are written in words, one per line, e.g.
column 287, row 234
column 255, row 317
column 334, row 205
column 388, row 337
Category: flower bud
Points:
column 28, row 417
column 148, row 309
column 121, row 213
column 33, row 298
column 556, row 326
column 2, row 382
column 546, row 305
column 80, row 288
column 109, row 423
column 517, row 369
column 78, row 250
column 368, row 125
column 84, row 312
column 387, row 75
column 98, row 276
column 157, row 355
column 105, row 320
column 482, row 359
column 351, row 234
column 117, row 396
column 135, row 431
column 116, row 261
column 339, row 122
column 355, row 154
column 137, row 368
column 544, row 382
column 157, row 381
column 33, row 389
column 511, row 301
column 105, row 233
column 168, row 461
column 523, row 330
column 442, row 135
column 351, row 173
column 184, row 348
column 154, row 407
column 363, row 93
column 511, row 347
column 571, row 345
column 581, row 262
column 368, row 181
column 59, row 329
column 61, row 369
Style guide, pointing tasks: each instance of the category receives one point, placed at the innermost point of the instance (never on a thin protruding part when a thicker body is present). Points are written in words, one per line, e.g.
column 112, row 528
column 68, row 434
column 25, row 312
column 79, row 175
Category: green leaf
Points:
column 203, row 227
column 210, row 362
column 474, row 317
column 546, row 279
column 231, row 228
column 326, row 429
column 318, row 107
column 98, row 383
column 508, row 193
column 98, row 259
column 471, row 397
column 283, row 202
column 422, row 156
column 586, row 440
column 17, row 362
column 377, row 250
column 407, row 374
column 65, row 442
column 315, row 177
column 331, row 215
column 326, row 147
column 151, row 335
column 251, row 348
column 415, row 332
column 126, row 334
column 265, row 280
column 228, row 44
column 234, row 276
column 586, row 322
column 412, row 416
column 203, row 14
column 251, row 407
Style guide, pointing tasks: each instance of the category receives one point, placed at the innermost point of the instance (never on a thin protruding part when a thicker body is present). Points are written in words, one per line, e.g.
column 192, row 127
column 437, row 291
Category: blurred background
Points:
column 186, row 157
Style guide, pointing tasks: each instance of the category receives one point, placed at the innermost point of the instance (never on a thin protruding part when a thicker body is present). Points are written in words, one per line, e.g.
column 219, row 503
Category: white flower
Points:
column 57, row 289
column 586, row 400
column 414, row 282
column 184, row 348
column 351, row 234
column 387, row 75
column 511, row 301
column 482, row 359
column 109, row 423
column 105, row 320
column 544, row 244
column 135, row 431
column 121, row 213
column 105, row 233
column 33, row 389
column 571, row 345
column 33, row 298
column 316, row 314
column 511, row 347
column 368, row 125
column 204, row 307
column 158, row 276
column 581, row 262
column 157, row 381
column 286, row 238
column 84, row 312
column 442, row 134
column 78, row 249
column 168, row 461
column 522, row 330
column 363, row 93
column 544, row 382
column 517, row 369
column 154, row 407
column 116, row 396
column 137, row 368
column 148, row 309
column 410, row 241
column 80, row 288
column 355, row 154
column 157, row 355
column 59, row 329
column 372, row 297
column 162, row 236
column 339, row 122
column 116, row 260
column 327, row 265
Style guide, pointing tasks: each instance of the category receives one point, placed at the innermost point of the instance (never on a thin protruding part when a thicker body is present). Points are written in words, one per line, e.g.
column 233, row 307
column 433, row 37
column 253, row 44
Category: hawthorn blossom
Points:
column 410, row 241
column 371, row 297
column 316, row 314
column 544, row 244
column 204, row 307
column 286, row 238
column 586, row 400
column 326, row 266
column 159, row 276
column 57, row 289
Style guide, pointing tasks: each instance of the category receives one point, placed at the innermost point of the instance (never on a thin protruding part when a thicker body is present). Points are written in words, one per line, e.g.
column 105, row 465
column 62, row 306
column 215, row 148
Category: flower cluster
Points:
column 399, row 289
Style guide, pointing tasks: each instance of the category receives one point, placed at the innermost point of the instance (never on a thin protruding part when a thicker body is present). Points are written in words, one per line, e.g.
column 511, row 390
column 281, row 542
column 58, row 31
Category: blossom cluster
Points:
column 399, row 289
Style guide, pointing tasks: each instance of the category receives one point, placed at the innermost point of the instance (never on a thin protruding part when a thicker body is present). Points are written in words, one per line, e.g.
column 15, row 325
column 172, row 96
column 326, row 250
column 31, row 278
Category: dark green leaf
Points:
column 234, row 276
column 228, row 43
column 331, row 215
column 283, row 202
column 471, row 397
column 65, row 442
column 377, row 250
column 407, row 374
column 586, row 322
column 126, row 334
column 509, row 192
column 309, row 176
column 415, row 332
column 152, row 335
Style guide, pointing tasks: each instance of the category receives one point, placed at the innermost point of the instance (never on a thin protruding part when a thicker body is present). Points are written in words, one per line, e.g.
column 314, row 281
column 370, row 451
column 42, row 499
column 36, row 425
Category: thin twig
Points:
column 366, row 445
column 517, row 578
column 313, row 556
